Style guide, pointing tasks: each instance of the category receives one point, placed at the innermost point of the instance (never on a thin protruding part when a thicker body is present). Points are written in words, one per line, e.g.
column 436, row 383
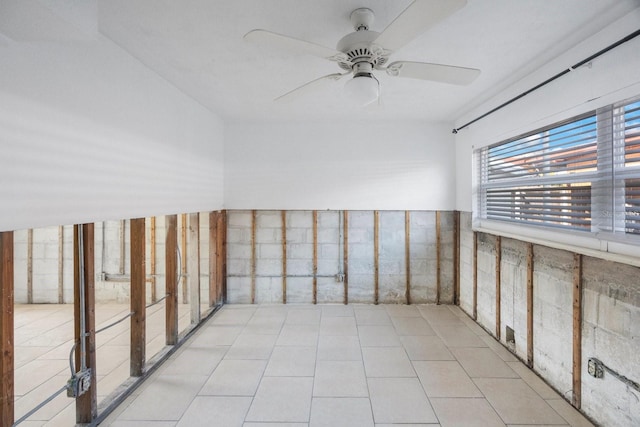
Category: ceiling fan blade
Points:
column 433, row 72
column 294, row 45
column 312, row 86
column 415, row 20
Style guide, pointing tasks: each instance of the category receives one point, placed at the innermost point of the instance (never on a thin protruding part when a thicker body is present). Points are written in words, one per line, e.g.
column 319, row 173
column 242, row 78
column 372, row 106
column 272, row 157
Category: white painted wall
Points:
column 610, row 78
column 328, row 165
column 87, row 133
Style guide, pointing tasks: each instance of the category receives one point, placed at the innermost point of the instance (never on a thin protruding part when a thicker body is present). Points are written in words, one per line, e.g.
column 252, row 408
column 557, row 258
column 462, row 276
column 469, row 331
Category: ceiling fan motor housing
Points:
column 359, row 48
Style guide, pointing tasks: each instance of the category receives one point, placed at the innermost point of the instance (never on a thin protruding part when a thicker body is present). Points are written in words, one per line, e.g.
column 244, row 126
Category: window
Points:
column 580, row 175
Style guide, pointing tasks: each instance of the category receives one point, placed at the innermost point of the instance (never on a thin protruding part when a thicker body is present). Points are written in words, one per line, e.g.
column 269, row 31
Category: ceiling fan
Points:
column 364, row 51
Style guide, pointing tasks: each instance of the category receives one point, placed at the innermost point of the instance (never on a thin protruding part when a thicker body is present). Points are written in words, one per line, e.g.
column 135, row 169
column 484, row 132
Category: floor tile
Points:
column 445, row 379
column 465, row 412
column 569, row 413
column 299, row 335
column 340, row 379
column 303, row 316
column 166, row 398
column 533, row 380
column 378, row 336
column 142, row 424
column 341, row 412
column 195, row 361
column 402, row 310
column 282, row 399
column 387, row 362
column 292, row 362
column 411, row 326
column 233, row 316
column 338, row 326
column 210, row 411
column 340, row 310
column 213, row 336
column 235, row 378
column 399, row 400
column 264, row 325
column 275, row 425
column 482, row 362
column 516, row 402
column 457, row 335
column 372, row 316
column 426, row 348
column 339, row 348
column 439, row 315
column 498, row 348
column 251, row 347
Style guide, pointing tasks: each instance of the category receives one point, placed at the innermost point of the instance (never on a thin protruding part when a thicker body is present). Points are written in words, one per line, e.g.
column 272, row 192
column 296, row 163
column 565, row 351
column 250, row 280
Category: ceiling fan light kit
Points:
column 362, row 52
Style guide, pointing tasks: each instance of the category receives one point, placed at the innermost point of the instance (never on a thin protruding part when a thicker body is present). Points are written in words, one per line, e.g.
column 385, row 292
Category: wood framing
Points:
column 30, row 266
column 87, row 403
column 221, row 256
column 183, row 257
column 253, row 256
column 345, row 225
column 213, row 231
column 376, row 256
column 152, row 256
column 530, row 267
column 194, row 267
column 7, row 357
column 315, row 257
column 576, row 399
column 456, row 257
column 171, row 280
column 498, row 287
column 475, row 275
column 123, row 247
column 438, row 257
column 407, row 255
column 138, row 296
column 61, row 265
column 283, row 215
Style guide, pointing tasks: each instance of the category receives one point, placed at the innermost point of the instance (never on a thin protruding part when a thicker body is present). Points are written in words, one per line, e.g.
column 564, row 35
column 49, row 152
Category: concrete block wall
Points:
column 330, row 252
column 107, row 262
column 610, row 310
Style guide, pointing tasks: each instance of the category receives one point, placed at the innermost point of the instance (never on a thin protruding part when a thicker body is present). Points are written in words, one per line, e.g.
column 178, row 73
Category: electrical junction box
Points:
column 594, row 368
column 79, row 383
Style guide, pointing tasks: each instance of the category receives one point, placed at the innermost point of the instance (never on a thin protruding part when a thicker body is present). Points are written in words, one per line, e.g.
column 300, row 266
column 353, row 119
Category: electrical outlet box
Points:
column 79, row 383
column 339, row 277
column 594, row 368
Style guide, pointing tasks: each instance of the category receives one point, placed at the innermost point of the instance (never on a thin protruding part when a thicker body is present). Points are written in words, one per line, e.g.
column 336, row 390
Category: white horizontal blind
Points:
column 630, row 116
column 582, row 174
column 544, row 177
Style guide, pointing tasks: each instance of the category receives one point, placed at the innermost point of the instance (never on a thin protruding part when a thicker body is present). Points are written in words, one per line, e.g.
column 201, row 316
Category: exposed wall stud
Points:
column 346, row 256
column 376, row 256
column 576, row 399
column 194, row 267
column 61, row 265
column 456, row 257
column 253, row 256
column 438, row 257
column 530, row 268
column 123, row 246
column 284, row 256
column 315, row 257
column 138, row 296
column 7, row 357
column 407, row 255
column 183, row 260
column 171, row 279
column 87, row 403
column 221, row 256
column 213, row 231
column 30, row 266
column 152, row 256
column 498, row 287
column 475, row 275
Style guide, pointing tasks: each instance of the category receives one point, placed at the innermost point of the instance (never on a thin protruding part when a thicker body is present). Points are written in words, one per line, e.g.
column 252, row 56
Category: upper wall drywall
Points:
column 406, row 166
column 612, row 77
column 87, row 133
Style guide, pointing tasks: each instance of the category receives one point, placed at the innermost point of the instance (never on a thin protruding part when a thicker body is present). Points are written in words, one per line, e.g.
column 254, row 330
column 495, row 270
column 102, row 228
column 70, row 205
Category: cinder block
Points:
column 422, row 219
column 390, row 267
column 300, row 251
column 361, row 288
column 298, row 235
column 241, row 219
column 329, row 219
column 299, row 219
column 360, row 235
column 268, row 235
column 299, row 267
column 238, row 267
column 328, row 235
column 238, row 251
column 328, row 267
column 269, row 267
column 239, row 290
column 361, row 266
column 299, row 290
column 238, row 235
column 269, row 219
column 360, row 220
column 269, row 290
column 269, row 251
column 330, row 291
column 392, row 220
column 328, row 251
column 361, row 251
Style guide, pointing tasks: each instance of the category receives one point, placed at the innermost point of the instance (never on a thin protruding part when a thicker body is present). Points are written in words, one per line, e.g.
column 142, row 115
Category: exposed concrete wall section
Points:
column 610, row 318
column 330, row 250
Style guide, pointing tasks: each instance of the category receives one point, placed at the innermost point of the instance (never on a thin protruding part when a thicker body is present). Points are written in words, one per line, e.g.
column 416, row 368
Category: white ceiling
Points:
column 197, row 45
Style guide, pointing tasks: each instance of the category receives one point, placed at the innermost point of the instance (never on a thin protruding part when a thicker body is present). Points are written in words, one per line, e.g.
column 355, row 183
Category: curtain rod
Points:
column 549, row 80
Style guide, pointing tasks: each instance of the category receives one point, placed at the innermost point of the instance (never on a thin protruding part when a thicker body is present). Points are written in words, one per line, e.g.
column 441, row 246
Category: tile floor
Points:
column 43, row 338
column 355, row 365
